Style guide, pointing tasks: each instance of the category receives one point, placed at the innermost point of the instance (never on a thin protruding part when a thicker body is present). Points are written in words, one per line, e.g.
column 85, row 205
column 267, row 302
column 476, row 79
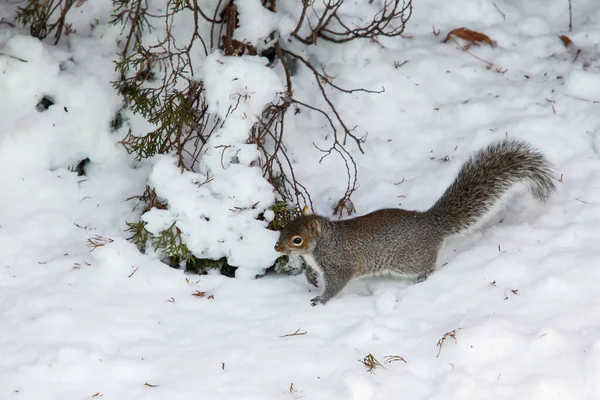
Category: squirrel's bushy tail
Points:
column 486, row 177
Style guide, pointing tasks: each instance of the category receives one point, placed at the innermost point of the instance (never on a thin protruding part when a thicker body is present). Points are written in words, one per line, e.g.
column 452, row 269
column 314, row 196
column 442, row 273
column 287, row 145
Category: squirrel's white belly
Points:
column 312, row 263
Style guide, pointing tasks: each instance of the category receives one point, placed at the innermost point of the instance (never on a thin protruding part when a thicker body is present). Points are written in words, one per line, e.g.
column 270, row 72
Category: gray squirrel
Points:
column 406, row 243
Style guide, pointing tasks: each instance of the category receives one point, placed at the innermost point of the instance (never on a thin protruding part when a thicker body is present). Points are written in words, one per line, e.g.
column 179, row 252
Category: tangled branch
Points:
column 332, row 25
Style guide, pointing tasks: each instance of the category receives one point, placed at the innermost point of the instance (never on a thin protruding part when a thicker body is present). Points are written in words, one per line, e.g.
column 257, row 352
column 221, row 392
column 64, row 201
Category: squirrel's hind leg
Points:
column 430, row 267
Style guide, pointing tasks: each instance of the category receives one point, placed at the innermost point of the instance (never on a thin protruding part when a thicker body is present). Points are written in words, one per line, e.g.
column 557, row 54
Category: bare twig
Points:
column 297, row 333
column 14, row 57
column 333, row 26
column 440, row 343
column 570, row 17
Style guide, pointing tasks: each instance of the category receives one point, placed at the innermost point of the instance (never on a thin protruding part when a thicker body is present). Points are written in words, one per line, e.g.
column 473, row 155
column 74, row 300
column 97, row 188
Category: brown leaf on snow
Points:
column 199, row 294
column 473, row 37
column 566, row 40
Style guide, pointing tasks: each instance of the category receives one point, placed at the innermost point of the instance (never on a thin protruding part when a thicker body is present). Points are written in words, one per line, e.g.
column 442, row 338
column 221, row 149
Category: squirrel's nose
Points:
column 277, row 248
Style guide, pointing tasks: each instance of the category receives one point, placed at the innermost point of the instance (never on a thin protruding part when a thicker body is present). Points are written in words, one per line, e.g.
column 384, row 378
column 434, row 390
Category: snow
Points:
column 256, row 23
column 217, row 207
column 584, row 85
column 520, row 293
column 208, row 217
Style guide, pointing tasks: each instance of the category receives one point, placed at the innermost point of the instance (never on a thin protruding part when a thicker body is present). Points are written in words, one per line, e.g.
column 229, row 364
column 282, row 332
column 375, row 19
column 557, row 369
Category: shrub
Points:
column 159, row 79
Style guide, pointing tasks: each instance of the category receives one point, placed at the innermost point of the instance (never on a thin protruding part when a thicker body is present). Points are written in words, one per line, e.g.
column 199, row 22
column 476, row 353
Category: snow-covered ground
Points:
column 520, row 295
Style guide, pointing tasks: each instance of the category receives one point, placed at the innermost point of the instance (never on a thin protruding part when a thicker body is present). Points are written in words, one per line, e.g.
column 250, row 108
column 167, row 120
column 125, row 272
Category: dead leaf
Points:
column 566, row 40
column 473, row 37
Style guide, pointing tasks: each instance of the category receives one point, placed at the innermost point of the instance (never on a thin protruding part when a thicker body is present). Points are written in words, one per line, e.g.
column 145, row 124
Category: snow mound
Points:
column 584, row 85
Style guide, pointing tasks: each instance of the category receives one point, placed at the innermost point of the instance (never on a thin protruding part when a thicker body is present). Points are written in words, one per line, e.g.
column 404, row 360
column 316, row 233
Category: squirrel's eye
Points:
column 297, row 240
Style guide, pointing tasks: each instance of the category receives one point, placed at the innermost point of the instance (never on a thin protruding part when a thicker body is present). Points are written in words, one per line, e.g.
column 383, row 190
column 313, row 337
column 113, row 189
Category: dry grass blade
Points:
column 371, row 362
column 582, row 201
column 391, row 359
column 489, row 66
column 440, row 343
column 81, row 227
column 297, row 333
column 131, row 274
column 98, row 241
column 473, row 37
column 149, row 385
column 199, row 293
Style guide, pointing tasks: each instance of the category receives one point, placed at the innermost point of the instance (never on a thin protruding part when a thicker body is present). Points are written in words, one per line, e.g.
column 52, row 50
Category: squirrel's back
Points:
column 486, row 177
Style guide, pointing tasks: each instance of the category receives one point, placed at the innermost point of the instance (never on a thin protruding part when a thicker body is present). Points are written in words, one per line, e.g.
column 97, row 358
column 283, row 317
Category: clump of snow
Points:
column 47, row 212
column 534, row 26
column 256, row 22
column 218, row 218
column 217, row 208
column 584, row 85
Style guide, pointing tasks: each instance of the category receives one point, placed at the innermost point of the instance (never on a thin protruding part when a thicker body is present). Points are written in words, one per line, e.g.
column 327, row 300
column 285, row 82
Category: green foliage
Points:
column 140, row 234
column 45, row 17
column 156, row 82
column 200, row 266
column 169, row 243
column 283, row 215
column 282, row 265
column 117, row 122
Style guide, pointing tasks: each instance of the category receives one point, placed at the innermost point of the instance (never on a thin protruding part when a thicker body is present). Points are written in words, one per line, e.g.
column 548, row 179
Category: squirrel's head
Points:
column 298, row 236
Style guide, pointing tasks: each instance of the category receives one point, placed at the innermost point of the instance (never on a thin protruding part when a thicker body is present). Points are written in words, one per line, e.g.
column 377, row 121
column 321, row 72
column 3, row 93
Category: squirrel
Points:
column 406, row 243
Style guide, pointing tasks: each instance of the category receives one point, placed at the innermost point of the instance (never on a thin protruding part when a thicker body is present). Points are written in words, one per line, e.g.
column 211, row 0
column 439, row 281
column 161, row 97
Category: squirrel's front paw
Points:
column 317, row 300
column 311, row 277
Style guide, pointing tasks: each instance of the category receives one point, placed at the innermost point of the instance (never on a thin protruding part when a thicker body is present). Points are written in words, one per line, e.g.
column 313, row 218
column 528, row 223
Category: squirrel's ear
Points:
column 314, row 227
column 305, row 211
